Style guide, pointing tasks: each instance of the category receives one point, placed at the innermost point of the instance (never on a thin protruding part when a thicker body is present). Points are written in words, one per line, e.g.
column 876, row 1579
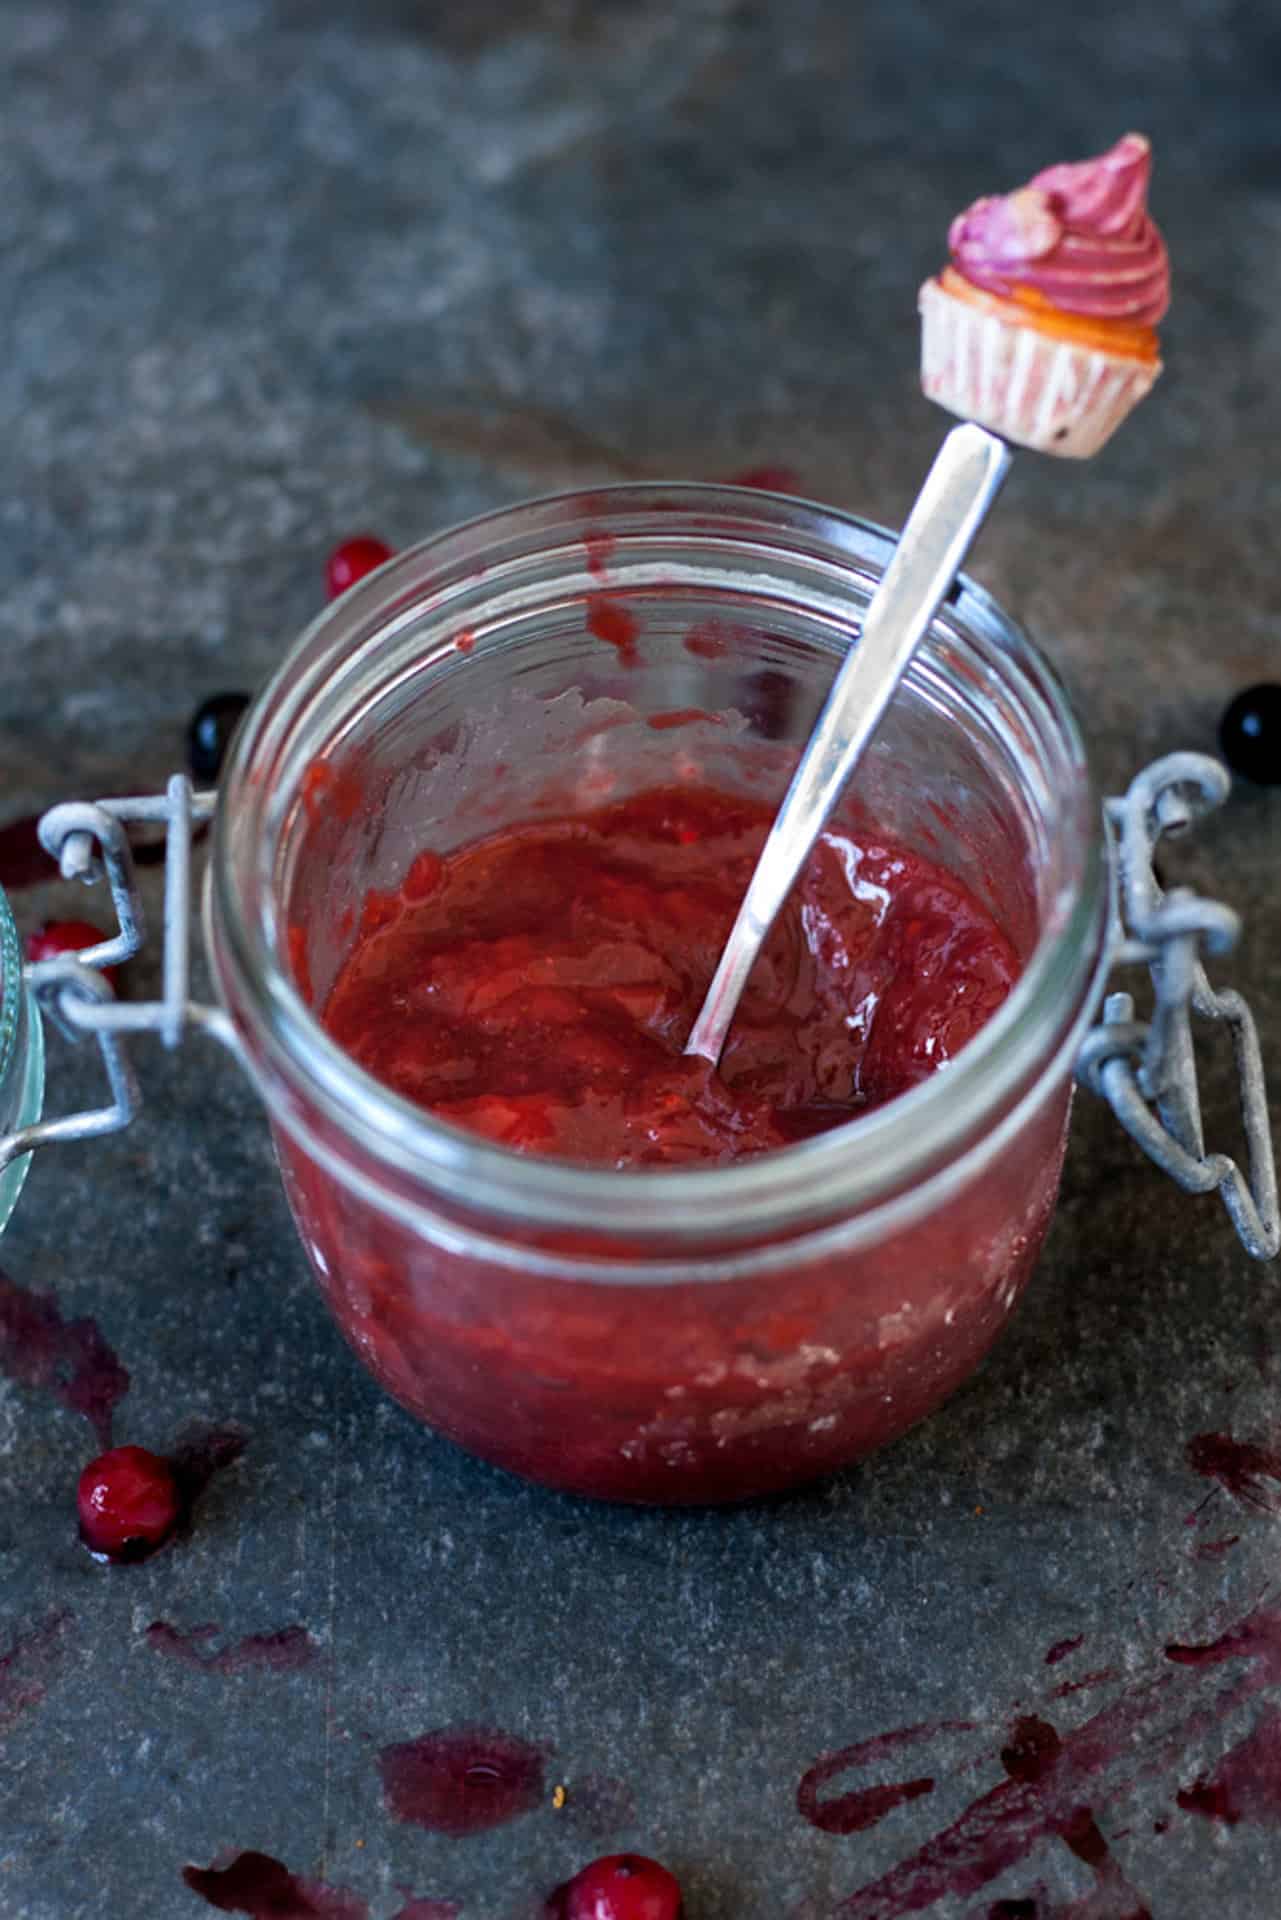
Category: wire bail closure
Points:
column 88, row 839
column 1144, row 1069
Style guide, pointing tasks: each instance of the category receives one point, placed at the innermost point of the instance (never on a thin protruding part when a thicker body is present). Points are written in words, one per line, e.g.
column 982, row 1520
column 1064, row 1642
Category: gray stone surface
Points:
column 276, row 271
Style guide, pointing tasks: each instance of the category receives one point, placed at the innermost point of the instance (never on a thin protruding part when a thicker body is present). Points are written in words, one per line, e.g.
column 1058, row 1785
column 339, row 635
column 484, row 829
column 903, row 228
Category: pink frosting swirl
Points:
column 1079, row 233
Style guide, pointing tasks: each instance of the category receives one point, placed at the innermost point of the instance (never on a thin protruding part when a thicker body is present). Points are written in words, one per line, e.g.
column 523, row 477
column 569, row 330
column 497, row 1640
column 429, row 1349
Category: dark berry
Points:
column 623, row 1886
column 129, row 1503
column 210, row 731
column 67, row 936
column 352, row 561
column 1250, row 734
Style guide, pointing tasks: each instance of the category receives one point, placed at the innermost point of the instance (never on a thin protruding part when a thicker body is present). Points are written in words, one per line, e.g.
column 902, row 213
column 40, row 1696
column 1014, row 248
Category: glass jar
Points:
column 681, row 1335
column 21, row 1058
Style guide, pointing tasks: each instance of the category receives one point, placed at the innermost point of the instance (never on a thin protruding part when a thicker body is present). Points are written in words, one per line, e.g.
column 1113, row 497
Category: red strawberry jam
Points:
column 541, row 990
column 537, row 988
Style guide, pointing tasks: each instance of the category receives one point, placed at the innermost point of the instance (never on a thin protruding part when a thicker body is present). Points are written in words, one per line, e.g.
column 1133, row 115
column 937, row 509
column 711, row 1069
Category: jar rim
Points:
column 855, row 1167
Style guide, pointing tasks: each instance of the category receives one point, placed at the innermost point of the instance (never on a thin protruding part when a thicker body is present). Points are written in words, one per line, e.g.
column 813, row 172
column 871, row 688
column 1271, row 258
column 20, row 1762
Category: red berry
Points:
column 623, row 1886
column 66, row 936
column 352, row 561
column 129, row 1503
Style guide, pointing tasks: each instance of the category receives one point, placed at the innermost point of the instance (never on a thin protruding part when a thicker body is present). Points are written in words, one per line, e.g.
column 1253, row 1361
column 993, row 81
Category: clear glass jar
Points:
column 684, row 1335
column 21, row 1058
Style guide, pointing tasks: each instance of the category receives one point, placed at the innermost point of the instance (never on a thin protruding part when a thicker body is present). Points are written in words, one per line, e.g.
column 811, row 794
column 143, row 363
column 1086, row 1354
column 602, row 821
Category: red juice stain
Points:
column 282, row 1651
column 461, row 1780
column 1246, row 1783
column 1243, row 1468
column 25, row 1669
column 599, row 547
column 1146, row 1729
column 296, row 939
column 1088, row 1681
column 202, row 1450
column 610, row 621
column 1033, row 1750
column 1208, row 1799
column 683, row 717
column 1062, row 1648
column 23, row 861
column 864, row 1807
column 265, row 1889
column 66, row 1358
column 1082, row 1834
column 1043, row 1799
column 465, row 642
column 1215, row 1549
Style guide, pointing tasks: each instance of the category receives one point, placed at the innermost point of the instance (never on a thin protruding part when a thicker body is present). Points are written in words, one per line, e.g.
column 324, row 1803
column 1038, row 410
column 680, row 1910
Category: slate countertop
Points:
column 277, row 271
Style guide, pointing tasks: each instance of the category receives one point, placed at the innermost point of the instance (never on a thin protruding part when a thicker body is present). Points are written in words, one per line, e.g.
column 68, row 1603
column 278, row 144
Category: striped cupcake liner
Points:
column 1044, row 393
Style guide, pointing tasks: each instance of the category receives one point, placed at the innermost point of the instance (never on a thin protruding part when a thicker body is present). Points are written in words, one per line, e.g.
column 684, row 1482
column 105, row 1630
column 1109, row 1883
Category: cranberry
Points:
column 352, row 561
column 67, row 936
column 623, row 1886
column 210, row 730
column 129, row 1503
column 1250, row 734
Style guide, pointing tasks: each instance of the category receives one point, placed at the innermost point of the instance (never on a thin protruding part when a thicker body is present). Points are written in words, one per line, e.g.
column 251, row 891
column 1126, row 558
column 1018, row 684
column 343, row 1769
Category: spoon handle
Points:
column 950, row 508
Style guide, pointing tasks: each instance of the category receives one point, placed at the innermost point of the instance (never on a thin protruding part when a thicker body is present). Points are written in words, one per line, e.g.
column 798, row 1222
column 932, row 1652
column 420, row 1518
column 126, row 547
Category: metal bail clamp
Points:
column 88, row 839
column 1146, row 1070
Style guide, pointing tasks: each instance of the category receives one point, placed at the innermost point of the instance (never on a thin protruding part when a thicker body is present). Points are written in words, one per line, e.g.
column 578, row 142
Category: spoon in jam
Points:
column 1042, row 331
column 950, row 508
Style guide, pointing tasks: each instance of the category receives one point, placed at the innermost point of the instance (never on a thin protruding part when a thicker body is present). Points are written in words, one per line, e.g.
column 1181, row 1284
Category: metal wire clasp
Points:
column 86, row 839
column 1146, row 1070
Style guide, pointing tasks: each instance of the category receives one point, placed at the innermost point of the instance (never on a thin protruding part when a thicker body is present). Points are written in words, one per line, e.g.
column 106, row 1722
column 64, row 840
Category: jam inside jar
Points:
column 703, row 1328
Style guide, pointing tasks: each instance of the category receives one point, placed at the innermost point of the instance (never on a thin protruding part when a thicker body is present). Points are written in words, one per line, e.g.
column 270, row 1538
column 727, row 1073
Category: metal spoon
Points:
column 950, row 508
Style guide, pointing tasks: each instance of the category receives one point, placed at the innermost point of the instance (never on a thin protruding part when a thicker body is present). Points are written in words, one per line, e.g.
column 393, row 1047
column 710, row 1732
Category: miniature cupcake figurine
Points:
column 1043, row 327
